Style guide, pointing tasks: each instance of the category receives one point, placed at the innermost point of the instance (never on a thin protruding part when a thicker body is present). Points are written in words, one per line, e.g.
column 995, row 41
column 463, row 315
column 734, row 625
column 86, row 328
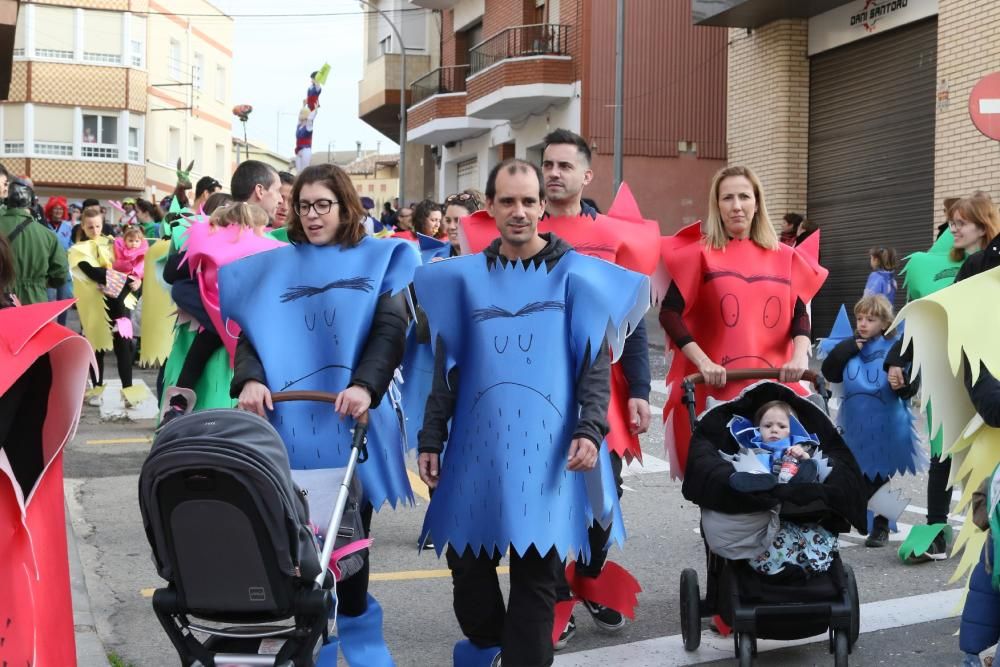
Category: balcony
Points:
column 378, row 91
column 519, row 71
column 435, row 4
column 438, row 112
column 755, row 13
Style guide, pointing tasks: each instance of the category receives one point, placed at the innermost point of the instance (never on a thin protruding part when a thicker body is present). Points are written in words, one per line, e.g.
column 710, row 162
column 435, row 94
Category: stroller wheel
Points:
column 690, row 610
column 840, row 649
column 852, row 593
column 745, row 650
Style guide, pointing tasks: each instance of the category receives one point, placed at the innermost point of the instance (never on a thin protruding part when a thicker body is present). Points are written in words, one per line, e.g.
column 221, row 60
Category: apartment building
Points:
column 75, row 114
column 190, row 65
column 512, row 70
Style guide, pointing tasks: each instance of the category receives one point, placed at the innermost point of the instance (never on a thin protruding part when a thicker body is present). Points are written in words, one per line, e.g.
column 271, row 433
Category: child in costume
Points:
column 980, row 627
column 307, row 116
column 130, row 254
column 232, row 233
column 874, row 416
column 882, row 279
column 106, row 299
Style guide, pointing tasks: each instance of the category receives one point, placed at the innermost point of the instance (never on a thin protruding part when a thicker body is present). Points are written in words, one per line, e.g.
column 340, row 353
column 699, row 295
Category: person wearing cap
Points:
column 128, row 212
column 203, row 189
column 370, row 224
column 39, row 259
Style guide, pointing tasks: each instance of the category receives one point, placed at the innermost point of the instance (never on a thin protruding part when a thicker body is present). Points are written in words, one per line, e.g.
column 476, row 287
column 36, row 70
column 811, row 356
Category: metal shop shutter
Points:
column 468, row 174
column 871, row 157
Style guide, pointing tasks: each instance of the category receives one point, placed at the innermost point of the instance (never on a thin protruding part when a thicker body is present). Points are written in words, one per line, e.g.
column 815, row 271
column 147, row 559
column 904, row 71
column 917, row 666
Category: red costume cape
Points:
column 36, row 608
column 738, row 306
column 622, row 237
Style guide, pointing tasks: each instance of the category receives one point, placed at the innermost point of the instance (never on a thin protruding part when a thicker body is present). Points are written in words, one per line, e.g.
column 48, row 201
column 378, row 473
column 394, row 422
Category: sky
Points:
column 273, row 54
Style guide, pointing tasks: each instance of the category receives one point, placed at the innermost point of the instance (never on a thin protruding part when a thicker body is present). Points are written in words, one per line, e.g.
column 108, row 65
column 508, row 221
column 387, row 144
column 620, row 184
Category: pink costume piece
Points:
column 130, row 260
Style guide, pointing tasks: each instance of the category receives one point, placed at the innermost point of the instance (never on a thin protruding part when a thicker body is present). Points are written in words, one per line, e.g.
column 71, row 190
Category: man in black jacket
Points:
column 523, row 630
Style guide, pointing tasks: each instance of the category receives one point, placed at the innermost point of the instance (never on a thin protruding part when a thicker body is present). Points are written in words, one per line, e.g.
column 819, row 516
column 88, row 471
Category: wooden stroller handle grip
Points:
column 753, row 374
column 317, row 396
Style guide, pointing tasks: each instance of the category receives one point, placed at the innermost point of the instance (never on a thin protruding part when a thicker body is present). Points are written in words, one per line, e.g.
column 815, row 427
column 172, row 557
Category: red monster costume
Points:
column 738, row 304
column 622, row 237
column 36, row 610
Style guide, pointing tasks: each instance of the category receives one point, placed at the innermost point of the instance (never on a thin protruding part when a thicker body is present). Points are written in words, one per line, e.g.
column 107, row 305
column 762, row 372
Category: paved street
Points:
column 908, row 617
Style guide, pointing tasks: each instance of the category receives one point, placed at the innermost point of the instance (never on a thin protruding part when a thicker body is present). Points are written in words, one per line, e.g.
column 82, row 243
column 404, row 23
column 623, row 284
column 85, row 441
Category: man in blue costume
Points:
column 527, row 298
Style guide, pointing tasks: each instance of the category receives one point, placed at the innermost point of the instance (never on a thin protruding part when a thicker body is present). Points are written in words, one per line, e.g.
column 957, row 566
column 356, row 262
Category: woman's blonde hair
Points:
column 761, row 231
column 980, row 211
column 243, row 214
column 875, row 305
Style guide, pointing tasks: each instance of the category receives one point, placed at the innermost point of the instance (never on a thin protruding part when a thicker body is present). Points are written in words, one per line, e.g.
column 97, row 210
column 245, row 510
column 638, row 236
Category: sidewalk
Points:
column 89, row 650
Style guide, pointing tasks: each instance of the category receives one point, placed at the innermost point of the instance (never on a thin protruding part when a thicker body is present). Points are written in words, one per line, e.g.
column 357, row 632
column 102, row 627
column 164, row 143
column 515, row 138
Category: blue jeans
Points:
column 65, row 291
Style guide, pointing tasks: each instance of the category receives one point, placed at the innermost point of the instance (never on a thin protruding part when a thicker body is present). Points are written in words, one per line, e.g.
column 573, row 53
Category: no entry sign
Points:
column 984, row 105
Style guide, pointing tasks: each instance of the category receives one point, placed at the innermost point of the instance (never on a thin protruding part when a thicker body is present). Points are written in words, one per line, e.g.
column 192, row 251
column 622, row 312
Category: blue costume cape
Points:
column 881, row 282
column 748, row 436
column 520, row 337
column 418, row 361
column 877, row 424
column 307, row 310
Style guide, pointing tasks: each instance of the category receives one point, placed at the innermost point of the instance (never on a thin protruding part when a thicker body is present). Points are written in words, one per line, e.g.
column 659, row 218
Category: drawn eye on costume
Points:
column 772, row 312
column 359, row 283
column 868, row 374
column 480, row 315
column 496, row 344
column 525, row 347
column 311, row 326
column 852, row 371
column 729, row 307
column 330, row 318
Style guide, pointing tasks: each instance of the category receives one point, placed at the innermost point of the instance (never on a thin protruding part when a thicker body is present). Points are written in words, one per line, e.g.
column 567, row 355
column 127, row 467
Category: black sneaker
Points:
column 567, row 634
column 938, row 550
column 879, row 536
column 605, row 618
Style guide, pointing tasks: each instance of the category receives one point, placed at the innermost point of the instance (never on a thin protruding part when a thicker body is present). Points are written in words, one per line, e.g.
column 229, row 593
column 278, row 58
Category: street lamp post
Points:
column 402, row 96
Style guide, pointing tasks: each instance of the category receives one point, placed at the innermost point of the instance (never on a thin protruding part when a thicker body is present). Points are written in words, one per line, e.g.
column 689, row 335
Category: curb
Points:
column 89, row 649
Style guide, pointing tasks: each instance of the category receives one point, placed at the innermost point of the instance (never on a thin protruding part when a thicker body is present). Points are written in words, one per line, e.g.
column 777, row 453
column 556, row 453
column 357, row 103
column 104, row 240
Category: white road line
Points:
column 669, row 651
column 650, row 464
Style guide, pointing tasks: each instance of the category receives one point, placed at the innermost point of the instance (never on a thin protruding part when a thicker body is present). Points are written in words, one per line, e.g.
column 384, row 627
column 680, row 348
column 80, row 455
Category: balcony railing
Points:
column 544, row 39
column 437, row 82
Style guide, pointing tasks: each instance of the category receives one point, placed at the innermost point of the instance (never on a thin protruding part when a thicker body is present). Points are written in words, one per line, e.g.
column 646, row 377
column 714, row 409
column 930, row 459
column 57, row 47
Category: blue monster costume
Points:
column 981, row 615
column 418, row 362
column 294, row 327
column 520, row 336
column 877, row 424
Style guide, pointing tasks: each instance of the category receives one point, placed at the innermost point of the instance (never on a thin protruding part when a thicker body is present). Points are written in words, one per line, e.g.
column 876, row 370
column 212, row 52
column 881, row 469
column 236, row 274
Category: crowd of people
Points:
column 515, row 319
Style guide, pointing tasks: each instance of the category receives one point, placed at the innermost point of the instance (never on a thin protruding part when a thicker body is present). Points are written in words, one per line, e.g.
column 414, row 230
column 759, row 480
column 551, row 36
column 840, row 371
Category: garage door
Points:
column 871, row 156
column 468, row 174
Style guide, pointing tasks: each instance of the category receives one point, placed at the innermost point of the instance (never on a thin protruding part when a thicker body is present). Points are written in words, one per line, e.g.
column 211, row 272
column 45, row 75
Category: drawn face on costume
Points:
column 968, row 235
column 566, row 173
column 737, row 206
column 92, row 226
column 452, row 215
column 281, row 214
column 270, row 197
column 871, row 326
column 774, row 425
column 133, row 241
column 516, row 207
column 319, row 229
column 433, row 223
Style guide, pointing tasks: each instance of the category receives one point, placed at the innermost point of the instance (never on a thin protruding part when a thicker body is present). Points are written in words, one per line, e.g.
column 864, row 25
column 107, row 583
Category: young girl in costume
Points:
column 874, row 416
column 130, row 254
column 882, row 279
column 106, row 298
column 232, row 232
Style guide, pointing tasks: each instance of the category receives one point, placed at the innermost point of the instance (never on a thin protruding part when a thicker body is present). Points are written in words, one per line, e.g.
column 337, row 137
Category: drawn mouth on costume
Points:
column 290, row 383
column 869, row 394
column 547, row 398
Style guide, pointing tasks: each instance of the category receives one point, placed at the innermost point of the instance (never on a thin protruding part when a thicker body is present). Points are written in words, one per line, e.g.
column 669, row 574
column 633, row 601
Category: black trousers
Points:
column 524, row 629
column 23, row 408
column 938, row 491
column 352, row 593
column 598, row 538
column 124, row 349
column 203, row 346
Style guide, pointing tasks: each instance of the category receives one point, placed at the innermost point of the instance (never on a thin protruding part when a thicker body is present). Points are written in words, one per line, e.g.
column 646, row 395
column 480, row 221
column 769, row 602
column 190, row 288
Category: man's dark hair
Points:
column 90, row 202
column 562, row 136
column 286, row 178
column 512, row 166
column 248, row 176
column 206, row 184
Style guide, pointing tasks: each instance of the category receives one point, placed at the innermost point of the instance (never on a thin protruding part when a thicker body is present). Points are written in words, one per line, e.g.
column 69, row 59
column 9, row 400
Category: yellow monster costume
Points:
column 952, row 327
column 159, row 314
column 94, row 319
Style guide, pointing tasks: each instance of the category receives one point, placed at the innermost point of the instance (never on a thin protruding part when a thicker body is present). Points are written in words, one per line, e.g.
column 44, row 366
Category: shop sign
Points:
column 862, row 18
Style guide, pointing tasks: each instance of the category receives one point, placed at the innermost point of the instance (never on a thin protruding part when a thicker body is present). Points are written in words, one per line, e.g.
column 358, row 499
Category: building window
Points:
column 53, row 131
column 220, row 161
column 174, row 148
column 385, row 46
column 133, row 144
column 54, row 32
column 13, row 129
column 137, row 41
column 197, row 153
column 174, row 60
column 19, row 34
column 220, row 83
column 199, row 71
column 102, row 37
column 100, row 137
column 383, row 187
column 371, row 187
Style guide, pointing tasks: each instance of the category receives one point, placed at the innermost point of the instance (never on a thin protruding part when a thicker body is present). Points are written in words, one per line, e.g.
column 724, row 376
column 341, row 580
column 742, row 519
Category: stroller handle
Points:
column 317, row 396
column 752, row 374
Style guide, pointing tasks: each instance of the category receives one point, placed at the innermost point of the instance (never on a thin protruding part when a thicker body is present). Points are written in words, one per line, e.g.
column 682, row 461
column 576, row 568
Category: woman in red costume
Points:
column 737, row 300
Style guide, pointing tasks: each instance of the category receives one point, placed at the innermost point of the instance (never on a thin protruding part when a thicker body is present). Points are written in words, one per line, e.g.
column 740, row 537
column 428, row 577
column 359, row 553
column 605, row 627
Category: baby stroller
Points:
column 230, row 534
column 791, row 604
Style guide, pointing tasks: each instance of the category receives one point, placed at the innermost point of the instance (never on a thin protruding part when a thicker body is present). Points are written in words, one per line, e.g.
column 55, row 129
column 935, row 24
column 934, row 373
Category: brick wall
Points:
column 449, row 57
column 520, row 72
column 768, row 108
column 502, row 14
column 441, row 106
column 968, row 49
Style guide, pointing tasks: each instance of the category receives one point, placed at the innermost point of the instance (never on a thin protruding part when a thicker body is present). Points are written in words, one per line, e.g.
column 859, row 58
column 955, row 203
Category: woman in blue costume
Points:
column 328, row 313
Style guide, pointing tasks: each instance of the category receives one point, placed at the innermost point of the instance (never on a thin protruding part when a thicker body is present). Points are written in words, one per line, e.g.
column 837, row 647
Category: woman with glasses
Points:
column 456, row 207
column 328, row 313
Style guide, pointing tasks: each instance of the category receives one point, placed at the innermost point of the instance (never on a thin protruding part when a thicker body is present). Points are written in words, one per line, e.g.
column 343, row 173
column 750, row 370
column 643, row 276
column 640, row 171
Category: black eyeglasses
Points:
column 322, row 206
column 461, row 196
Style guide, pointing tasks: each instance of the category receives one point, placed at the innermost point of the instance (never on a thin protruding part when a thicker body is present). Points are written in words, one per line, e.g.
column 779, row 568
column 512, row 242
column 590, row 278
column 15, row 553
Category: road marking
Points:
column 121, row 441
column 669, row 651
column 418, row 485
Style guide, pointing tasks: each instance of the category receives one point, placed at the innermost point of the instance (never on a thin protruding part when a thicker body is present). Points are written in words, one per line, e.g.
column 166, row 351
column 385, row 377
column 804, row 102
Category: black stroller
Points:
column 790, row 605
column 230, row 533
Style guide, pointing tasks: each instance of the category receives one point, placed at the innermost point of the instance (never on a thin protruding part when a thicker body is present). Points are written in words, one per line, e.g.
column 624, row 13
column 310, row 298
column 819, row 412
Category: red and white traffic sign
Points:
column 984, row 105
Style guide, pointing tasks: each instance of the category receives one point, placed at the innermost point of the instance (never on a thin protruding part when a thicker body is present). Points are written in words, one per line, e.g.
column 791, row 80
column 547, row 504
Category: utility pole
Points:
column 619, row 93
